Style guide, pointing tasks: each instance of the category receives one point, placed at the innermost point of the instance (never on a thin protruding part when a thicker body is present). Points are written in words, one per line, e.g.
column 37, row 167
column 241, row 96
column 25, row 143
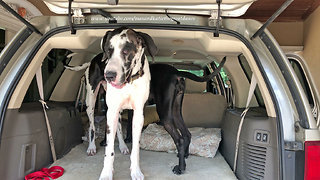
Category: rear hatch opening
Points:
column 218, row 105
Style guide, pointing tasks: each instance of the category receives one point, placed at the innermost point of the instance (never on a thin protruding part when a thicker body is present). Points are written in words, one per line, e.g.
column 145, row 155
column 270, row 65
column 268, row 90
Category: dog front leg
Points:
column 122, row 145
column 137, row 123
column 90, row 101
column 112, row 121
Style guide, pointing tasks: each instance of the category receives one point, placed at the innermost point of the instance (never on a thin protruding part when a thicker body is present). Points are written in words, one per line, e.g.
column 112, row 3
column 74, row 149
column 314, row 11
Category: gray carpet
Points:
column 154, row 165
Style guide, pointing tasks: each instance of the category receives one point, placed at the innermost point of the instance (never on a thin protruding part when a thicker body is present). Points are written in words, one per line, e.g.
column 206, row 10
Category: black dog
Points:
column 167, row 88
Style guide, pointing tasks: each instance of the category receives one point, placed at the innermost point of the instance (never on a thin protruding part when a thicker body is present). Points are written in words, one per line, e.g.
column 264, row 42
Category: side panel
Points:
column 24, row 144
column 258, row 156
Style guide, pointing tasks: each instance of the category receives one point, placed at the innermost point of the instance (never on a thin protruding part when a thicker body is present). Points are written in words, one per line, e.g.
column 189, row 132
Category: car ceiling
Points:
column 260, row 10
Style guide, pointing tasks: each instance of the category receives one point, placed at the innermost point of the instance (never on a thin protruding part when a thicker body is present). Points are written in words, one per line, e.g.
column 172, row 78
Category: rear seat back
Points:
column 200, row 108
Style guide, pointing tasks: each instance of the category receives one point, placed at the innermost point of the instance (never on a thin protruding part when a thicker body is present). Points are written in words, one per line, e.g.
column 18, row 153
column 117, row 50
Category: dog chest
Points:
column 130, row 96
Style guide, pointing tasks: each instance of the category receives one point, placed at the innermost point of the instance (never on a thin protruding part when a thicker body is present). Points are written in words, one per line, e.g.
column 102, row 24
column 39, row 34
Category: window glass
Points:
column 224, row 75
column 2, row 39
column 52, row 69
column 247, row 70
column 302, row 78
column 195, row 72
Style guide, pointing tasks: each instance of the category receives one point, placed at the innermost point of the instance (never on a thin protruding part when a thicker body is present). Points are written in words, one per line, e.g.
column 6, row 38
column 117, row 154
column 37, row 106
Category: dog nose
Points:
column 110, row 76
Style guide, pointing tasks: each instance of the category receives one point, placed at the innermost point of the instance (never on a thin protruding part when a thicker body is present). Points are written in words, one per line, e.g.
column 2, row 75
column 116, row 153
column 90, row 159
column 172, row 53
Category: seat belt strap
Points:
column 253, row 85
column 81, row 89
column 44, row 107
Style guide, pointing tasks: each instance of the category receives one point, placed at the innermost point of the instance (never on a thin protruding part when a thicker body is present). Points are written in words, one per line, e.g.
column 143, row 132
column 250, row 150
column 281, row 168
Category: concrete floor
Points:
column 154, row 165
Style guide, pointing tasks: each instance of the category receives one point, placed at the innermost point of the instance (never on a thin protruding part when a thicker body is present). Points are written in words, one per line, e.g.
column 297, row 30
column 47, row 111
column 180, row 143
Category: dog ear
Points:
column 105, row 39
column 149, row 43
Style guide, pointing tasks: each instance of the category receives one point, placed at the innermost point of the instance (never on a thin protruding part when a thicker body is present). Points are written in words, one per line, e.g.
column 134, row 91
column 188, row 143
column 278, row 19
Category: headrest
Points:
column 195, row 87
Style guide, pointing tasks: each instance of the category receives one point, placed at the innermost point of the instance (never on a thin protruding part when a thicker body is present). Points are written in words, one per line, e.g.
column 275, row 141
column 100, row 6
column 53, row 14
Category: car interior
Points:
column 218, row 103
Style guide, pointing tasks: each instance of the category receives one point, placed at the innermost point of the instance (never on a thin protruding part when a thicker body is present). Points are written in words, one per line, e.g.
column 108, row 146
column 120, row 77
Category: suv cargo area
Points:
column 215, row 104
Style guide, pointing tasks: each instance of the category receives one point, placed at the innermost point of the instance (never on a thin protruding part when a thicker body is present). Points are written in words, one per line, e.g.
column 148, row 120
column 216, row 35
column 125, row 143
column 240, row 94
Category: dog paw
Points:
column 92, row 150
column 106, row 174
column 105, row 178
column 124, row 149
column 177, row 170
column 136, row 174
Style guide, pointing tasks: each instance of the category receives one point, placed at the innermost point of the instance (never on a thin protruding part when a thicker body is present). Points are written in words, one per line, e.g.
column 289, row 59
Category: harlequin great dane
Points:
column 128, row 75
column 94, row 79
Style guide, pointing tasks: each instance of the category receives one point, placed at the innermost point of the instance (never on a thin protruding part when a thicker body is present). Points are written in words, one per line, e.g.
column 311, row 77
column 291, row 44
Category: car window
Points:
column 302, row 78
column 2, row 39
column 223, row 75
column 195, row 72
column 52, row 69
column 247, row 70
column 219, row 83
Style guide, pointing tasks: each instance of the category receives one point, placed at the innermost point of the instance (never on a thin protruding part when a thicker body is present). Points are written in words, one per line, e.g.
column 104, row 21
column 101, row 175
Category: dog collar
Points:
column 137, row 75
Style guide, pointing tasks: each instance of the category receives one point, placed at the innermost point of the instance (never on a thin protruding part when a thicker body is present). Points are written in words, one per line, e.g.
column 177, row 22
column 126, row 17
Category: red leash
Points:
column 54, row 172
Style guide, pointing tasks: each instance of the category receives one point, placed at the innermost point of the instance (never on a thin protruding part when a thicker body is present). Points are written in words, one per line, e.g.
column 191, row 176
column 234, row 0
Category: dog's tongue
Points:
column 116, row 86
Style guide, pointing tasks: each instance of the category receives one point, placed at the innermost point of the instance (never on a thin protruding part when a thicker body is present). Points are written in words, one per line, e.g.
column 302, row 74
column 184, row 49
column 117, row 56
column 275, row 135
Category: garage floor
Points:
column 154, row 165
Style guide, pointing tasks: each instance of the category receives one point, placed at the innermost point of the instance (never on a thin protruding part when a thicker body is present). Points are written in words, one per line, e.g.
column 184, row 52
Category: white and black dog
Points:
column 128, row 76
column 94, row 79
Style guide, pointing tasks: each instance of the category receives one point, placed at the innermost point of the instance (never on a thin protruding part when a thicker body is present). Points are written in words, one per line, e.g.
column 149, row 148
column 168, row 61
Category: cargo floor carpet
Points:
column 154, row 165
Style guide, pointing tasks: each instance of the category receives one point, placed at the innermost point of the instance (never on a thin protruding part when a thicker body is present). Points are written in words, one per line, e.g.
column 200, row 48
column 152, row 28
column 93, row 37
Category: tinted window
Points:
column 247, row 70
column 302, row 78
column 2, row 39
column 52, row 69
column 217, row 85
column 223, row 75
column 195, row 72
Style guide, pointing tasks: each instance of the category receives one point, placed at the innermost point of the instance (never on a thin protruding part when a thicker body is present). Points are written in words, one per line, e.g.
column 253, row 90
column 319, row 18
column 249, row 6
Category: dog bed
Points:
column 204, row 141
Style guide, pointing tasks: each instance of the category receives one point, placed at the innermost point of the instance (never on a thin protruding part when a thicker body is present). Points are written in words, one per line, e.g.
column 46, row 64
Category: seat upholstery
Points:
column 200, row 108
